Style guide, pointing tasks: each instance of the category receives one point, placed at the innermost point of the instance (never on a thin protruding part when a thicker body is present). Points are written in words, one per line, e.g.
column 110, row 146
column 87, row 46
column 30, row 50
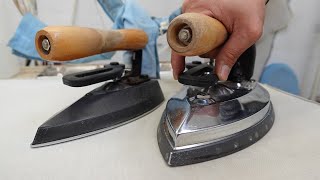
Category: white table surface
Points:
column 291, row 149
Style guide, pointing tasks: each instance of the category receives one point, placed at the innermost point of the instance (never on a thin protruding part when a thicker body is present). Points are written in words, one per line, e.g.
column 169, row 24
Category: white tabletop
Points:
column 291, row 149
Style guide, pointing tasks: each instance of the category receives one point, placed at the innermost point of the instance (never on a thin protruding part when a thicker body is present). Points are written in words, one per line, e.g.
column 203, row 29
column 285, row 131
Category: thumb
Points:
column 178, row 64
column 237, row 43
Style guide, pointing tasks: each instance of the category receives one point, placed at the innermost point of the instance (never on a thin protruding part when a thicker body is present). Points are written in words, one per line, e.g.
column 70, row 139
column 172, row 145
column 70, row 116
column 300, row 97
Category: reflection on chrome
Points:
column 197, row 116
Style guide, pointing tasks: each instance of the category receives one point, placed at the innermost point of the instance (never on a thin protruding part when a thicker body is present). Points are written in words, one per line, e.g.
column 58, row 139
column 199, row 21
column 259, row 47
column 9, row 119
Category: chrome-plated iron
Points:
column 209, row 119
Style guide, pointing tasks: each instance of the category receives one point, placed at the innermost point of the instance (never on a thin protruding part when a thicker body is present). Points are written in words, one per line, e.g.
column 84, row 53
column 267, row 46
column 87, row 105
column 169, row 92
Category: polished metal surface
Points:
column 185, row 35
column 46, row 44
column 197, row 116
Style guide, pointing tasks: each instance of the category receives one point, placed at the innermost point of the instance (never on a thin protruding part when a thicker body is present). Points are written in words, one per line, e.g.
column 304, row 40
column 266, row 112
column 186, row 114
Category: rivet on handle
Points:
column 185, row 35
column 46, row 44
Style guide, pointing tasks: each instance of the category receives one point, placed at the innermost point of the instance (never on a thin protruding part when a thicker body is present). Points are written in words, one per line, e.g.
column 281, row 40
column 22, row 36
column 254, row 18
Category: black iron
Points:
column 119, row 101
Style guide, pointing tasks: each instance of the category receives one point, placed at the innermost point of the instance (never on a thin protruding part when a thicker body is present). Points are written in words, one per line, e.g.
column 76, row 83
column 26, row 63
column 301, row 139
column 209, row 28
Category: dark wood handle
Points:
column 193, row 34
column 63, row 43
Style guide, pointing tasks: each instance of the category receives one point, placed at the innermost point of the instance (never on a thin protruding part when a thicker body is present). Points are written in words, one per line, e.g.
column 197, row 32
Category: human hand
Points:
column 243, row 20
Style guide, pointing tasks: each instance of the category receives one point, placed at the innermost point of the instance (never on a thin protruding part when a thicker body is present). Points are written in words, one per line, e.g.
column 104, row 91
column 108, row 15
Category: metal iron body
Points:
column 209, row 119
column 122, row 99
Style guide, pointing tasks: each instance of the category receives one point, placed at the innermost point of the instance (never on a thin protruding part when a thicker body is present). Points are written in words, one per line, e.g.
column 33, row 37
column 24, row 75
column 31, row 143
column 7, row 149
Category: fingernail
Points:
column 224, row 72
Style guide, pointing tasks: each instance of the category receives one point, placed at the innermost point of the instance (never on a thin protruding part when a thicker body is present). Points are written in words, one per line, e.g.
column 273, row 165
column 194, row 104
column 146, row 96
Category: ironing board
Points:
column 291, row 150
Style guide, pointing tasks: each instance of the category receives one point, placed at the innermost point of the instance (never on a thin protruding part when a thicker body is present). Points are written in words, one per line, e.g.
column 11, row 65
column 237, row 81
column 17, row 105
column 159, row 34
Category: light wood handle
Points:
column 193, row 34
column 63, row 43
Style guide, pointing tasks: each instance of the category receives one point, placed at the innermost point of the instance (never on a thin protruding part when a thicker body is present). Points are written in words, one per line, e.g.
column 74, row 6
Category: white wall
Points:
column 89, row 13
column 9, row 18
column 296, row 44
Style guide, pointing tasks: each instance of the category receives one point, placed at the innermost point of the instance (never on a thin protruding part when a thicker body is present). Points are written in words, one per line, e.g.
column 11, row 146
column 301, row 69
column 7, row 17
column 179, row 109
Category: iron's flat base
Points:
column 98, row 111
column 91, row 133
column 224, row 147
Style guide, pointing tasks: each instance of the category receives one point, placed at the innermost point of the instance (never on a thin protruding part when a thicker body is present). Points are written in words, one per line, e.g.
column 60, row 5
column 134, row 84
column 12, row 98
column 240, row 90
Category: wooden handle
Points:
column 193, row 34
column 63, row 43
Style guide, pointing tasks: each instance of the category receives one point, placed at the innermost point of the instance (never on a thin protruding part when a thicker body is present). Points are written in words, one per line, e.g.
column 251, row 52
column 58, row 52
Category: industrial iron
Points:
column 208, row 118
column 126, row 95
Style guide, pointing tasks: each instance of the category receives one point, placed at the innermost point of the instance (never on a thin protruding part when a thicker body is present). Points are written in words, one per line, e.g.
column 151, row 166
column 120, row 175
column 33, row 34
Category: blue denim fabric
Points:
column 131, row 15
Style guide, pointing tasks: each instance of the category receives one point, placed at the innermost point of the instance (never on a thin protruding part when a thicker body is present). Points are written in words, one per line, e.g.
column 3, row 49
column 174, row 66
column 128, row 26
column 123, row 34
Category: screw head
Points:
column 46, row 44
column 184, row 36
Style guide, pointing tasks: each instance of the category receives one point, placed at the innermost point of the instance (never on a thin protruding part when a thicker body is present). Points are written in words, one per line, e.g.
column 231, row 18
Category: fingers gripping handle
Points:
column 63, row 43
column 193, row 34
